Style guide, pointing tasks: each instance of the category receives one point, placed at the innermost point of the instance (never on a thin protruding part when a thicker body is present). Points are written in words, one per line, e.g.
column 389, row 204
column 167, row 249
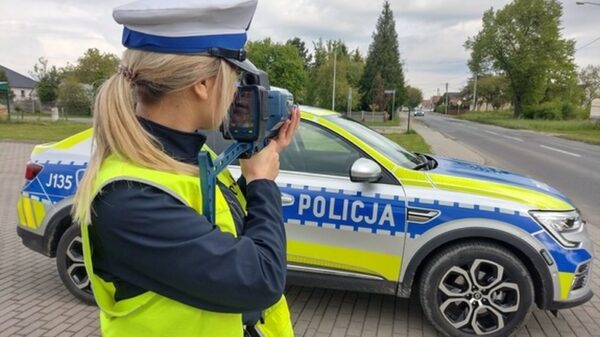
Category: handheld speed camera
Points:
column 257, row 112
column 255, row 117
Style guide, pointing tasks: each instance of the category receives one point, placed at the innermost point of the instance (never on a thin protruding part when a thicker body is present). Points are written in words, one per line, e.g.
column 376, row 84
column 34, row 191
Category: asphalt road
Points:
column 572, row 167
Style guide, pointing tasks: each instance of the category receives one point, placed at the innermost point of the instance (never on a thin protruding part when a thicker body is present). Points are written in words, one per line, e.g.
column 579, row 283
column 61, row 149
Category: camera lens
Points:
column 249, row 79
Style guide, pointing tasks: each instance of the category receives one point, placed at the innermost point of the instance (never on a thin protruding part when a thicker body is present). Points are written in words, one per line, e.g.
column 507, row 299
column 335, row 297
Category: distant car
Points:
column 419, row 112
column 479, row 246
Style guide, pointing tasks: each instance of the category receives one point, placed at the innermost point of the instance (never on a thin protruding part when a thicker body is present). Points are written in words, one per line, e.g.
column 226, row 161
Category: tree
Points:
column 302, row 51
column 3, row 77
column 94, row 67
column 523, row 41
column 48, row 78
column 493, row 90
column 383, row 59
column 74, row 97
column 356, row 68
column 283, row 64
column 348, row 70
column 414, row 97
column 379, row 98
column 589, row 77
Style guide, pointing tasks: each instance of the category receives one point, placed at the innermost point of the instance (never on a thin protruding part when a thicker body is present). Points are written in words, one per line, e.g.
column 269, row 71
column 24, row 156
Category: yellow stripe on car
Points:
column 361, row 261
column 565, row 281
column 21, row 212
column 64, row 144
column 31, row 212
column 537, row 200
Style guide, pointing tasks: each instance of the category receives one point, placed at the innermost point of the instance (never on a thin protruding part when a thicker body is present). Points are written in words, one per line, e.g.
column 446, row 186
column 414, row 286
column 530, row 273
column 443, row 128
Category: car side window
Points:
column 316, row 150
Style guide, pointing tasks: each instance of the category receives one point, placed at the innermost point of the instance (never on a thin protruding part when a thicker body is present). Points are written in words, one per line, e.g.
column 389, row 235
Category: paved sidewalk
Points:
column 445, row 146
column 33, row 301
column 440, row 144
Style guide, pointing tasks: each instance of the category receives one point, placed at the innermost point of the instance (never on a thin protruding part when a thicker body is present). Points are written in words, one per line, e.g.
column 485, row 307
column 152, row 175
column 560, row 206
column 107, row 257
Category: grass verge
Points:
column 581, row 130
column 39, row 132
column 411, row 141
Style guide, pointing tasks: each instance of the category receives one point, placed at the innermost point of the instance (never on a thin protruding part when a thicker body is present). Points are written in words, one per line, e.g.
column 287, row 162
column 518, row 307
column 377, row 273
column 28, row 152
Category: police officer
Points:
column 157, row 266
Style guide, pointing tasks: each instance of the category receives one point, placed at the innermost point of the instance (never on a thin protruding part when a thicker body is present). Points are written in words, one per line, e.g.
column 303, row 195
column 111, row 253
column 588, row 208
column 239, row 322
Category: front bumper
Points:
column 559, row 305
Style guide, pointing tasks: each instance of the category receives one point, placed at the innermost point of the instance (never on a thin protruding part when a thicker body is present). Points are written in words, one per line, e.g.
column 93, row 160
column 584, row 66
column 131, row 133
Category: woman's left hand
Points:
column 287, row 130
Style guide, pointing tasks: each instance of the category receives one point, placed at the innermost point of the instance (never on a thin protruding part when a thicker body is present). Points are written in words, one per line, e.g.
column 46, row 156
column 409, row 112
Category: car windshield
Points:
column 382, row 144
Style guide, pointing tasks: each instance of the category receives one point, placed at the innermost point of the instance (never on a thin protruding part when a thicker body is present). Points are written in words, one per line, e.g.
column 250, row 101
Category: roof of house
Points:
column 16, row 80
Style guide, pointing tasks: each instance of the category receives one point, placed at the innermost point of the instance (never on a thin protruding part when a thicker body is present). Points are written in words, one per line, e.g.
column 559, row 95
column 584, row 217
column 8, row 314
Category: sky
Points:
column 431, row 33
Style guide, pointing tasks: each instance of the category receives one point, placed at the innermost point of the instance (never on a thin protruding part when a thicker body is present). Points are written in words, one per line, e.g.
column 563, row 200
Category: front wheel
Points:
column 476, row 289
column 69, row 262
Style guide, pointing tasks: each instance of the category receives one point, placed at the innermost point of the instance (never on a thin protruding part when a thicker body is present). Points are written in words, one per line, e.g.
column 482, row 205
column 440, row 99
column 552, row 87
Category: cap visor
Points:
column 245, row 65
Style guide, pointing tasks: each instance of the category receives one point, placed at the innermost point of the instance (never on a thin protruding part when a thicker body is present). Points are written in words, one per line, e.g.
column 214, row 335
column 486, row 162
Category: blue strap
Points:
column 210, row 169
column 183, row 44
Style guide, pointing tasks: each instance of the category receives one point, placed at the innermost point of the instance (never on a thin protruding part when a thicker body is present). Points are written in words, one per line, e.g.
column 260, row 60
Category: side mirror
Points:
column 365, row 171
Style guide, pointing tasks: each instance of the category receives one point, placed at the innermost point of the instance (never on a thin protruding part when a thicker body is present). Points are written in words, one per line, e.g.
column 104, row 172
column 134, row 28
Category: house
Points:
column 427, row 105
column 456, row 102
column 454, row 98
column 22, row 87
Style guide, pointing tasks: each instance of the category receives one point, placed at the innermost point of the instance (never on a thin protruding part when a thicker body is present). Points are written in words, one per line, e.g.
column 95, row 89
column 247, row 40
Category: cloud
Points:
column 431, row 33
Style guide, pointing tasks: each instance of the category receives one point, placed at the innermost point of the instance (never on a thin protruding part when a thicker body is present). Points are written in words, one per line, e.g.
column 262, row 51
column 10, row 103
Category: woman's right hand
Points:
column 262, row 165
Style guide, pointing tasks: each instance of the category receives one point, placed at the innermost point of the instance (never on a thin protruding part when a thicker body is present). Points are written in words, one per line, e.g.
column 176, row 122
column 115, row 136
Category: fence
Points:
column 368, row 116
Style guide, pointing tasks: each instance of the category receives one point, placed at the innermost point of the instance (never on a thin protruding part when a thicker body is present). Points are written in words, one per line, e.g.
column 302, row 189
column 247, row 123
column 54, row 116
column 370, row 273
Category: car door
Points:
column 336, row 226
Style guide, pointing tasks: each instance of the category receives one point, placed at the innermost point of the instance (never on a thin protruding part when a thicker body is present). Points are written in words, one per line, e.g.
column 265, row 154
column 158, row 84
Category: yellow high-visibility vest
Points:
column 150, row 314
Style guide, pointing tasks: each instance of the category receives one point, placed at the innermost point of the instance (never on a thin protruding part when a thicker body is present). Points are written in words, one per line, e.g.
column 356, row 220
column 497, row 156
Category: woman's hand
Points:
column 287, row 131
column 265, row 164
column 262, row 165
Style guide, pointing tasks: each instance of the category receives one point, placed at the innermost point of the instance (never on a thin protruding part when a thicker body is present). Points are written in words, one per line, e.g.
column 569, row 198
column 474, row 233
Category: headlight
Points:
column 560, row 223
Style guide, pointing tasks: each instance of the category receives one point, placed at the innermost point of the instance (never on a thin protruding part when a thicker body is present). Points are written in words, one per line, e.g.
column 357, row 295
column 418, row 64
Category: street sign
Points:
column 595, row 112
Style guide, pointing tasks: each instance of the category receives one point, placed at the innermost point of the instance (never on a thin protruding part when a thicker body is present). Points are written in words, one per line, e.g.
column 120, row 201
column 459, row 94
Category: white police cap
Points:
column 201, row 27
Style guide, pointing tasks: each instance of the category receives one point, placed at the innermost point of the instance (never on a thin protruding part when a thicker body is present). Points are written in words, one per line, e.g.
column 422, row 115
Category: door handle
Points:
column 286, row 199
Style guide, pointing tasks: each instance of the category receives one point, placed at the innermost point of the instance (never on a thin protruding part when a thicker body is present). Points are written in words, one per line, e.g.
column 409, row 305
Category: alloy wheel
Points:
column 75, row 266
column 478, row 298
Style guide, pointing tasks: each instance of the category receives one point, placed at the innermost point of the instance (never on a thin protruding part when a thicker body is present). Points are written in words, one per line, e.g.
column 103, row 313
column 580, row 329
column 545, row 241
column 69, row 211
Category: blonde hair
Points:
column 116, row 128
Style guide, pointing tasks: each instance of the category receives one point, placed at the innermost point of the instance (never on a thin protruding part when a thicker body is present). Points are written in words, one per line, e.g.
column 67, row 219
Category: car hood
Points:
column 470, row 170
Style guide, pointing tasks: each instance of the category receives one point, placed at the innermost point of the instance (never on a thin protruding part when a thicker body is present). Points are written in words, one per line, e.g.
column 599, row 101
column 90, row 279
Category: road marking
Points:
column 513, row 138
column 508, row 137
column 561, row 151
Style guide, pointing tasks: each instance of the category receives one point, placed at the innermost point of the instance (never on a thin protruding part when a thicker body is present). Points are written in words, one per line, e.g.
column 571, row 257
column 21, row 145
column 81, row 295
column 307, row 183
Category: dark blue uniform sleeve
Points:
column 146, row 239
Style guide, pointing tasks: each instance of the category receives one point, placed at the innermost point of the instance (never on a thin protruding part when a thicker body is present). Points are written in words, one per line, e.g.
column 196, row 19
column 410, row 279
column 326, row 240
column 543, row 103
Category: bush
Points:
column 568, row 111
column 582, row 113
column 546, row 110
column 555, row 110
column 441, row 108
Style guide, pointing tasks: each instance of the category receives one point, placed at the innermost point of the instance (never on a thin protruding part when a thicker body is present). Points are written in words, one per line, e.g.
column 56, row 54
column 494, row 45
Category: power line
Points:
column 589, row 44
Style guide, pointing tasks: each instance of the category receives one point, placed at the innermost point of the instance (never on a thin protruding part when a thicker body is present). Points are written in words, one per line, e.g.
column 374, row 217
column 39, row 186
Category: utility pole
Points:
column 393, row 104
column 446, row 98
column 475, row 92
column 334, row 70
column 393, row 92
column 349, row 102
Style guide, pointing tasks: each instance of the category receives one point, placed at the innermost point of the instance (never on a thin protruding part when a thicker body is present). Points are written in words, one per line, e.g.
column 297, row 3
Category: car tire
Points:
column 476, row 288
column 69, row 262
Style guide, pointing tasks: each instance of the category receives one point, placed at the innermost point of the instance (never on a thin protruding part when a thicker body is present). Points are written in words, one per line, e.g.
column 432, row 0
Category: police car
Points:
column 479, row 246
